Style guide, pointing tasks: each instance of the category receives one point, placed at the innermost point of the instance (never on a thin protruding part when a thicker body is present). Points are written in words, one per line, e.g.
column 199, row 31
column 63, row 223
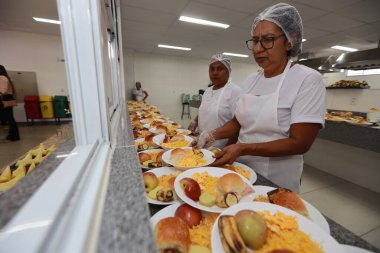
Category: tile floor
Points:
column 352, row 206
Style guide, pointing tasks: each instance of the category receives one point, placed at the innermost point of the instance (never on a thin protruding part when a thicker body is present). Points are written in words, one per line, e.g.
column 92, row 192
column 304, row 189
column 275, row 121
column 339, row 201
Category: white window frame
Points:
column 63, row 215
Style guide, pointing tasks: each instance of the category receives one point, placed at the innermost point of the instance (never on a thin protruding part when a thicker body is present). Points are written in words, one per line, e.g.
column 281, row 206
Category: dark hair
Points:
column 3, row 72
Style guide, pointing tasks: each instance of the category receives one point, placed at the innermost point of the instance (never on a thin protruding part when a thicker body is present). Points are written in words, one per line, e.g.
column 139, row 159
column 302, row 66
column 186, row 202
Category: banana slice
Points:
column 229, row 234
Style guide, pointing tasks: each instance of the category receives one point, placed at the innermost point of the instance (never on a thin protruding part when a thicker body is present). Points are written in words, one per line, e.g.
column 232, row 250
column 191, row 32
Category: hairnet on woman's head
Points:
column 223, row 59
column 288, row 19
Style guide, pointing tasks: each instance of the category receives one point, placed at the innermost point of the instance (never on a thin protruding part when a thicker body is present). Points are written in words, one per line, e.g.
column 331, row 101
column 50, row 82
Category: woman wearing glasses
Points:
column 282, row 109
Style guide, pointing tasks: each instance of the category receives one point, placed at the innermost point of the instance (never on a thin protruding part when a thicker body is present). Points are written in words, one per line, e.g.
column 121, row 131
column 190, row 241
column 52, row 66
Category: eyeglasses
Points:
column 266, row 42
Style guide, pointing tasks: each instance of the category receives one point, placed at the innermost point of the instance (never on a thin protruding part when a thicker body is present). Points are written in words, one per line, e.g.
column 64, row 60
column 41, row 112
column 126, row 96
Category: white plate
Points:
column 150, row 151
column 314, row 214
column 158, row 139
column 212, row 171
column 328, row 243
column 153, row 146
column 166, row 212
column 358, row 124
column 183, row 131
column 253, row 176
column 207, row 155
column 160, row 172
column 353, row 249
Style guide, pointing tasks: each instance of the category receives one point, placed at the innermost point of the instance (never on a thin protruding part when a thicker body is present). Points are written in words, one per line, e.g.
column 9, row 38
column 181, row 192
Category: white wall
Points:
column 166, row 77
column 37, row 53
column 341, row 99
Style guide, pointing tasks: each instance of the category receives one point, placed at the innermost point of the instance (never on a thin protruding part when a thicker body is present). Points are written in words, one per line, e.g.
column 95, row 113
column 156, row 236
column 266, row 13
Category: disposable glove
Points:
column 205, row 139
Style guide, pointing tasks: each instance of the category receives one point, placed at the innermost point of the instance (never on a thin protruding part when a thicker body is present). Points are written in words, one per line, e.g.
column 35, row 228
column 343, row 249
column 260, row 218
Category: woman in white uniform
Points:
column 282, row 109
column 219, row 101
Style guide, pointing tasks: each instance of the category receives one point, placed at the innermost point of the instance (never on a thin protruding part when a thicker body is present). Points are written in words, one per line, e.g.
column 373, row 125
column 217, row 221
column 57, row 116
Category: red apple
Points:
column 189, row 214
column 191, row 188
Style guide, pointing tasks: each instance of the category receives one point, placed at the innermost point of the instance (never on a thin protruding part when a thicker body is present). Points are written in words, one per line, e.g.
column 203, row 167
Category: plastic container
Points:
column 46, row 105
column 32, row 107
column 61, row 107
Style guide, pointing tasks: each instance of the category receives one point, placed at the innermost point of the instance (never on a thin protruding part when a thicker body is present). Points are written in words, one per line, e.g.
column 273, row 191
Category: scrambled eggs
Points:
column 176, row 144
column 206, row 182
column 284, row 233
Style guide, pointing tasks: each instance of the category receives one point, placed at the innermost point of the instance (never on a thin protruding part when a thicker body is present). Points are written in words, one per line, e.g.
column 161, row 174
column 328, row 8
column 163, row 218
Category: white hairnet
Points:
column 223, row 59
column 288, row 19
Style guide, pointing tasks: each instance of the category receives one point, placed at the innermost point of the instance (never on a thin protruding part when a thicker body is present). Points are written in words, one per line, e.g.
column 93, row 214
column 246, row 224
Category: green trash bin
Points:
column 46, row 104
column 61, row 107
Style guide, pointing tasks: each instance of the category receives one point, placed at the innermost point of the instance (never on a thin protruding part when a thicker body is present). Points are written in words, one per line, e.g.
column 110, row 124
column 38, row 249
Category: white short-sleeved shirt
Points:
column 228, row 102
column 301, row 98
column 139, row 94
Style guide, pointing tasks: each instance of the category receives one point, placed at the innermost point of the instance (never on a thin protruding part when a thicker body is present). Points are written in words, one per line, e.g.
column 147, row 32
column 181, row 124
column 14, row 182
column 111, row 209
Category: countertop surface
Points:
column 125, row 220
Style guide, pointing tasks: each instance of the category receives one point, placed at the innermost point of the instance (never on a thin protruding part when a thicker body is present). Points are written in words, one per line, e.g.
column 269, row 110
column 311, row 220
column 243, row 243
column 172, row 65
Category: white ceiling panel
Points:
column 146, row 27
column 310, row 33
column 171, row 6
column 333, row 23
column 213, row 13
column 306, row 12
column 367, row 11
column 328, row 5
column 249, row 7
column 148, row 16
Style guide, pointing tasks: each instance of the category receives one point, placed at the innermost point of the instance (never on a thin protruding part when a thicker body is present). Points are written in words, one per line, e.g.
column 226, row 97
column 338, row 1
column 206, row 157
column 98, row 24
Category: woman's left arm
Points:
column 301, row 137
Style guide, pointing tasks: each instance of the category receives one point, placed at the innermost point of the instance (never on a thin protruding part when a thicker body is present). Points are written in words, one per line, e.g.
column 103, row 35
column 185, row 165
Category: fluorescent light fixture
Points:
column 302, row 59
column 340, row 58
column 237, row 55
column 349, row 49
column 174, row 47
column 51, row 21
column 303, row 40
column 203, row 22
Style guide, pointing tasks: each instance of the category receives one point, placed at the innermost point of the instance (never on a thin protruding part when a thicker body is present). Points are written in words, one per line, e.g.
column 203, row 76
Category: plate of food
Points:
column 212, row 189
column 263, row 227
column 289, row 199
column 168, row 142
column 187, row 158
column 159, row 185
column 183, row 228
column 151, row 158
column 183, row 131
column 145, row 143
column 243, row 170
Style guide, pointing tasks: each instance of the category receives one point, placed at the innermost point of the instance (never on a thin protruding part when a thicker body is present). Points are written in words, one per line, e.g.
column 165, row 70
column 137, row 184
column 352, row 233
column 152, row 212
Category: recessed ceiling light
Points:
column 349, row 49
column 237, row 55
column 303, row 40
column 174, row 47
column 51, row 21
column 203, row 22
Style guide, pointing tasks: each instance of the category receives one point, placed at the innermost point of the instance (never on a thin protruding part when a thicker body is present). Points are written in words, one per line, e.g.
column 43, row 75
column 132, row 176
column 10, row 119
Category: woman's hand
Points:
column 227, row 155
column 204, row 140
column 193, row 126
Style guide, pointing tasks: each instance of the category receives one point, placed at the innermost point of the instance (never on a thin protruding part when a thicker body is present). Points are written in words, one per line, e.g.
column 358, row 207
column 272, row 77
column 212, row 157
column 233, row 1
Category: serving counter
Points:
column 123, row 224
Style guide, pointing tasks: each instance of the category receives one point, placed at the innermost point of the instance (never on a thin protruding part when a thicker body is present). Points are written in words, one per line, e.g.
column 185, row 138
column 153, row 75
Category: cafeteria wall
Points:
column 166, row 77
column 37, row 53
column 342, row 99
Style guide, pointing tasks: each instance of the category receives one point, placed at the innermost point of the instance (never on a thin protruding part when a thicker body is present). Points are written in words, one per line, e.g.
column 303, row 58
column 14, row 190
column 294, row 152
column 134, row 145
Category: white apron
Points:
column 257, row 116
column 208, row 118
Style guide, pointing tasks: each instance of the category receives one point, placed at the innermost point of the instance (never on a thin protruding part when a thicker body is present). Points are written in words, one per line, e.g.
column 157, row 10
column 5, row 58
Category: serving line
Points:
column 341, row 234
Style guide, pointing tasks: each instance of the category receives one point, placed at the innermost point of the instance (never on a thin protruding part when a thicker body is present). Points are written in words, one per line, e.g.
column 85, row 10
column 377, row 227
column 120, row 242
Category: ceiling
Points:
column 147, row 23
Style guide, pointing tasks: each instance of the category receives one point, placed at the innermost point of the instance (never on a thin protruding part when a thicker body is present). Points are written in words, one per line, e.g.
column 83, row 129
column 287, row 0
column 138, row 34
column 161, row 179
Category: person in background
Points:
column 282, row 107
column 219, row 101
column 7, row 91
column 138, row 94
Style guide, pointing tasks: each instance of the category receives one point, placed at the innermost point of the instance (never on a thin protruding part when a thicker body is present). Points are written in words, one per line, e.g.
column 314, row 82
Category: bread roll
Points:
column 231, row 183
column 161, row 129
column 177, row 137
column 177, row 155
column 143, row 157
column 172, row 233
